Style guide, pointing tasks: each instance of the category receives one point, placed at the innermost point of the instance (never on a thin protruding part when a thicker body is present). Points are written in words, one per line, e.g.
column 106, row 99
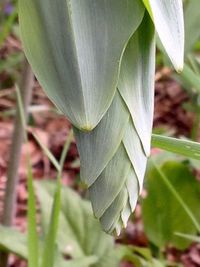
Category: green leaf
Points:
column 180, row 146
column 192, row 24
column 75, row 49
column 82, row 262
column 135, row 153
column 16, row 242
column 13, row 241
column 79, row 234
column 33, row 242
column 189, row 237
column 98, row 147
column 112, row 155
column 110, row 182
column 111, row 216
column 48, row 256
column 136, row 81
column 164, row 211
column 191, row 78
column 168, row 20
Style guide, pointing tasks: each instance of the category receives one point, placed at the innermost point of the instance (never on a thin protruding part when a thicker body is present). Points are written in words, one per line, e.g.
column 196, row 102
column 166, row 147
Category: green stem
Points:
column 64, row 152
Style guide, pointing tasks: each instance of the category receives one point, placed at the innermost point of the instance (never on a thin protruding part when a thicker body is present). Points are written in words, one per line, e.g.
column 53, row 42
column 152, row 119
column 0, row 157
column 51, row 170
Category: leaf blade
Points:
column 73, row 55
column 168, row 20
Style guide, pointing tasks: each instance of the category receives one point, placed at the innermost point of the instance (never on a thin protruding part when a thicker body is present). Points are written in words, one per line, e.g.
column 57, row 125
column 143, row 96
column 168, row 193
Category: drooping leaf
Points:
column 98, row 147
column 113, row 193
column 132, row 188
column 163, row 215
column 110, row 182
column 136, row 81
column 138, row 160
column 111, row 216
column 75, row 49
column 168, row 20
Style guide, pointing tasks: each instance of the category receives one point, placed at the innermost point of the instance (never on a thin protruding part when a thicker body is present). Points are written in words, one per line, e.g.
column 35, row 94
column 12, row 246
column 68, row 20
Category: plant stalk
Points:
column 26, row 86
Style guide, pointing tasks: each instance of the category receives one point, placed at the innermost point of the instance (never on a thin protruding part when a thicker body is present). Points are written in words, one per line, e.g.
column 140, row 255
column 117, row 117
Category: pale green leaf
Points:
column 16, row 242
column 45, row 193
column 125, row 214
column 112, row 215
column 132, row 188
column 108, row 168
column 98, row 147
column 13, row 241
column 168, row 20
column 110, row 182
column 136, row 81
column 135, row 152
column 75, row 49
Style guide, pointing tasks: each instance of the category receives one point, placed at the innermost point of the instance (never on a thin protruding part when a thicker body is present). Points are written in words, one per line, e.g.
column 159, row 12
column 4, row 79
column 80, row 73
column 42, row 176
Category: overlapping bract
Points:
column 84, row 56
column 113, row 164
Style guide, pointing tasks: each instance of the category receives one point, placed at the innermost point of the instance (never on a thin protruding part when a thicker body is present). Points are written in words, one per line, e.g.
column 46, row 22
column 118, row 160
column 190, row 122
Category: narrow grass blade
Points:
column 189, row 237
column 33, row 242
column 191, row 78
column 48, row 153
column 48, row 257
column 183, row 147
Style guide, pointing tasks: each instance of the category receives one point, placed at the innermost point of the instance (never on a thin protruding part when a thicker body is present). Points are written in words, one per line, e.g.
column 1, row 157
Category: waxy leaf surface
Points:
column 75, row 49
column 168, row 21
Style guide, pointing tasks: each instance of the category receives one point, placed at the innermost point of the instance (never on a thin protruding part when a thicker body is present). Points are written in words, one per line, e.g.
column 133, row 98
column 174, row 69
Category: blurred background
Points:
column 152, row 229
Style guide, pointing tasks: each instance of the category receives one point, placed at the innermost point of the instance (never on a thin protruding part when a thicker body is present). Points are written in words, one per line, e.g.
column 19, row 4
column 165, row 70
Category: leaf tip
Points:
column 87, row 128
